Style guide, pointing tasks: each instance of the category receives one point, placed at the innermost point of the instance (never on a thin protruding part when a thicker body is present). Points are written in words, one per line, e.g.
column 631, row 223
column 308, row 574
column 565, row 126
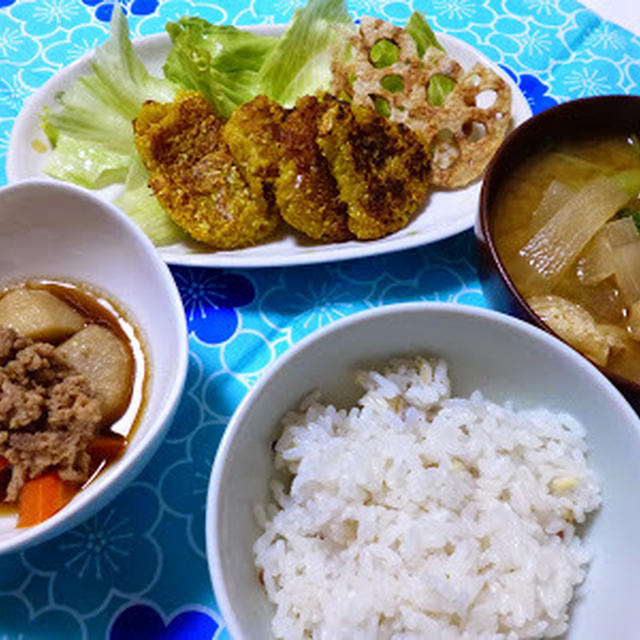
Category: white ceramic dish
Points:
column 444, row 214
column 506, row 359
column 56, row 231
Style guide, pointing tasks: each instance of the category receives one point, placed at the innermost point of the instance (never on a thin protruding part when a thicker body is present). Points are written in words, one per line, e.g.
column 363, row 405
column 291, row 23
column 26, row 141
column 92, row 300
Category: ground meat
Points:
column 48, row 416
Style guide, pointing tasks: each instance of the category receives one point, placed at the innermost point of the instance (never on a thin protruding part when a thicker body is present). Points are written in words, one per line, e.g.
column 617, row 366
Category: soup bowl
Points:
column 598, row 116
column 54, row 231
column 507, row 360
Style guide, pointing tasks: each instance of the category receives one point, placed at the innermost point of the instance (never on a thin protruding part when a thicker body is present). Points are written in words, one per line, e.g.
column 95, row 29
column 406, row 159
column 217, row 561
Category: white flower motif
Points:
column 84, row 46
column 198, row 299
column 607, row 38
column 540, row 7
column 321, row 304
column 97, row 543
column 455, row 9
column 275, row 6
column 5, row 136
column 536, row 44
column 586, row 82
column 367, row 7
column 10, row 41
column 13, row 92
column 55, row 11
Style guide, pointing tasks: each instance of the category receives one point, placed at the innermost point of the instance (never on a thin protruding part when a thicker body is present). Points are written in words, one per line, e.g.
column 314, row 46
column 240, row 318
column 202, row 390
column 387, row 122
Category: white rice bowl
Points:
column 416, row 514
column 510, row 361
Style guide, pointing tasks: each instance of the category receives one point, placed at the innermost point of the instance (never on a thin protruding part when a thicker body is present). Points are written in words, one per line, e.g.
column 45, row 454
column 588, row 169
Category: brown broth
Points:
column 97, row 308
column 511, row 219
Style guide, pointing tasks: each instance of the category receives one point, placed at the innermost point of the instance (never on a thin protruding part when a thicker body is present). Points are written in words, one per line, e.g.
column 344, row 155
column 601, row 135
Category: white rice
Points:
column 419, row 515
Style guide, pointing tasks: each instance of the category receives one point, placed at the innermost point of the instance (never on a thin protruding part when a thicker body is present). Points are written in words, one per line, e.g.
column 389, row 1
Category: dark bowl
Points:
column 601, row 115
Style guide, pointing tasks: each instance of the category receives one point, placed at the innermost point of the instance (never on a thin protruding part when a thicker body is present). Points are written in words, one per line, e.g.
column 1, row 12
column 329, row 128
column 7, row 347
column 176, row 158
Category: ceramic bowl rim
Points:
column 94, row 497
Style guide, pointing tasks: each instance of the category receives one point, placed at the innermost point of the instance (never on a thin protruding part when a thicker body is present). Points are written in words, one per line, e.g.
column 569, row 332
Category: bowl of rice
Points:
column 428, row 471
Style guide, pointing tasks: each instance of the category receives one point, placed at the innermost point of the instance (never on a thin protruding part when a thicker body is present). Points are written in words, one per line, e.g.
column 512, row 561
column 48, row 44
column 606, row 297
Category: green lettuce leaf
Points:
column 139, row 203
column 92, row 121
column 300, row 64
column 88, row 164
column 221, row 62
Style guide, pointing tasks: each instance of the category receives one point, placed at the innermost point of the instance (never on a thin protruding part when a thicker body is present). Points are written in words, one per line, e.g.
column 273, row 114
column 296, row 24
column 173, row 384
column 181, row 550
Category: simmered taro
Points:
column 72, row 377
column 567, row 228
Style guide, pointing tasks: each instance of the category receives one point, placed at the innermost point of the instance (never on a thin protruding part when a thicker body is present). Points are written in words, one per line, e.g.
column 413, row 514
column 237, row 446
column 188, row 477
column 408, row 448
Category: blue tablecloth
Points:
column 146, row 577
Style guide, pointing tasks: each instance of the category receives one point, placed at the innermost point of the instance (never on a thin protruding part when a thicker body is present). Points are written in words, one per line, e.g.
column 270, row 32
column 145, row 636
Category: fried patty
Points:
column 252, row 134
column 196, row 178
column 381, row 168
column 306, row 191
column 332, row 170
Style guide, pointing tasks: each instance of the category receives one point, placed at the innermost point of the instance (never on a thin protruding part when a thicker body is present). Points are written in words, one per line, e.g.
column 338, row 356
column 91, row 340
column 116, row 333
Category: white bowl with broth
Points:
column 506, row 359
column 52, row 232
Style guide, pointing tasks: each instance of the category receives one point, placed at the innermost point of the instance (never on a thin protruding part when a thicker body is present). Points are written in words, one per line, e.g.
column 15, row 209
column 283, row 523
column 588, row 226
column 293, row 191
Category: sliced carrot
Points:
column 4, row 463
column 107, row 448
column 43, row 496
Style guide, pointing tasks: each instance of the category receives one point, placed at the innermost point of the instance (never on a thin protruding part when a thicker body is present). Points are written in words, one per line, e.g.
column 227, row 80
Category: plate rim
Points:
column 314, row 254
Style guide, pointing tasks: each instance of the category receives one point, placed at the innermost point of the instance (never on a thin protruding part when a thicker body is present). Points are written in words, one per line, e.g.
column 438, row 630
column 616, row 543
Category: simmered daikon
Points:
column 596, row 263
column 563, row 237
column 627, row 270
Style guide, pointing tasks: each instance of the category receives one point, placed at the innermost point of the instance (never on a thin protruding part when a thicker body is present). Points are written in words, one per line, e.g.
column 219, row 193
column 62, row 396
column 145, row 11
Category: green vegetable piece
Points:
column 88, row 164
column 384, row 53
column 300, row 64
column 49, row 130
column 382, row 106
column 139, row 203
column 629, row 180
column 418, row 28
column 221, row 62
column 393, row 83
column 634, row 214
column 92, row 129
column 440, row 86
column 100, row 106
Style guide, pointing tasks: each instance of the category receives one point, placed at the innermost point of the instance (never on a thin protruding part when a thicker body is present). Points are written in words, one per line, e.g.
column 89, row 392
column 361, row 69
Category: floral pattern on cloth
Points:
column 80, row 585
column 143, row 622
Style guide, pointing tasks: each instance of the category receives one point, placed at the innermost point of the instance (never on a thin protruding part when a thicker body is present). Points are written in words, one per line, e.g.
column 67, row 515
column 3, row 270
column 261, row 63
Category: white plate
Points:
column 444, row 214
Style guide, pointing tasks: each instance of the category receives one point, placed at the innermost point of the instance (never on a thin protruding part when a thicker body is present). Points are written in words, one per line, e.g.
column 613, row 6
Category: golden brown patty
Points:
column 306, row 191
column 381, row 168
column 194, row 176
column 253, row 136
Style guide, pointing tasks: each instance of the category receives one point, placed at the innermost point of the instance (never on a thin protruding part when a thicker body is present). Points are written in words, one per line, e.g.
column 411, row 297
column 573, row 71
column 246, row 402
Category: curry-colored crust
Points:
column 332, row 170
column 306, row 191
column 194, row 176
column 381, row 167
column 253, row 135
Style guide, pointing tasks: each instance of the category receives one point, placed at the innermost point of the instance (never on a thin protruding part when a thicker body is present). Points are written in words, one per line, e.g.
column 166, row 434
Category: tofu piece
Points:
column 39, row 315
column 574, row 324
column 107, row 364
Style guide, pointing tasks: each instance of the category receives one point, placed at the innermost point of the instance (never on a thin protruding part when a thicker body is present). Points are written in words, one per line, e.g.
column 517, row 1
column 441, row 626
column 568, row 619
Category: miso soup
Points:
column 567, row 228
